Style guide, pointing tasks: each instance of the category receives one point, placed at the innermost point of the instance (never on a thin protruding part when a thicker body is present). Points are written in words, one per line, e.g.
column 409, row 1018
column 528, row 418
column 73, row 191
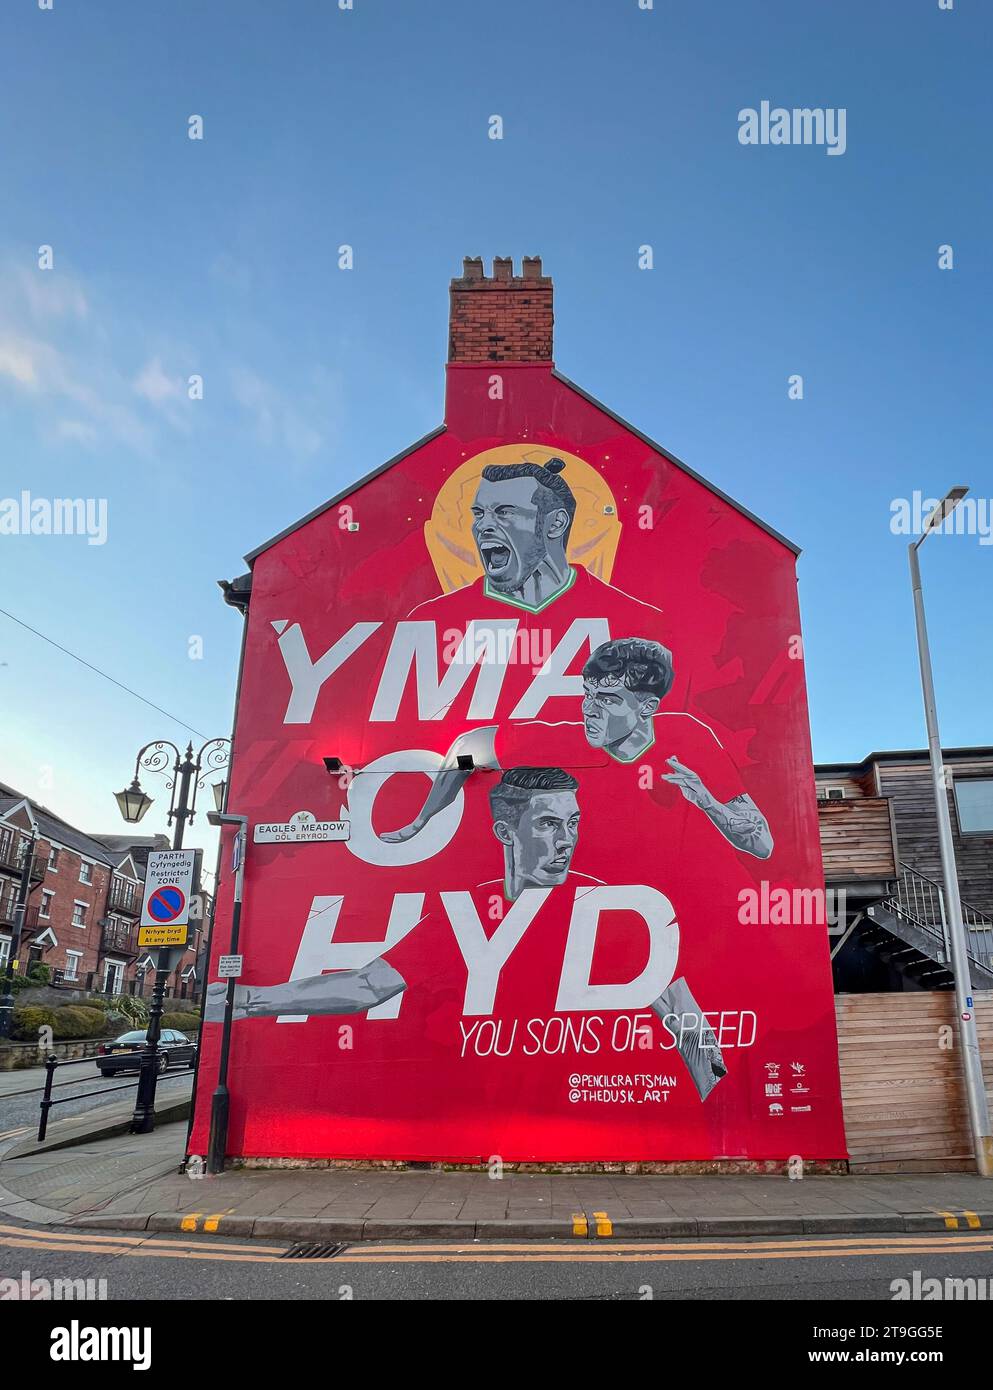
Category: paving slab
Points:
column 132, row 1183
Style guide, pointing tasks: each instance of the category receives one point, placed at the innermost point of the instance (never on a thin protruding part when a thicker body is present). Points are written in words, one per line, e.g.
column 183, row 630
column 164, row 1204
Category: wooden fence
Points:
column 901, row 1080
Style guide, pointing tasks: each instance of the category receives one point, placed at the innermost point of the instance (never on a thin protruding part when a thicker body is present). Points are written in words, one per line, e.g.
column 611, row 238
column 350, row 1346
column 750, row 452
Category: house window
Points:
column 53, row 860
column 79, row 914
column 974, row 805
column 4, row 949
column 45, row 910
column 85, row 871
column 72, row 965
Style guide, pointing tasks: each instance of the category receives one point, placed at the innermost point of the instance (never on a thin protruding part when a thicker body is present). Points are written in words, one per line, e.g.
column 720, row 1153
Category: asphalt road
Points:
column 20, row 1113
column 767, row 1269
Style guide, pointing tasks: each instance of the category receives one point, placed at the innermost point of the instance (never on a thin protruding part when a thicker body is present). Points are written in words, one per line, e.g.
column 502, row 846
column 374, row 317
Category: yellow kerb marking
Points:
column 604, row 1226
column 973, row 1220
column 580, row 1226
column 189, row 1223
column 952, row 1222
column 211, row 1222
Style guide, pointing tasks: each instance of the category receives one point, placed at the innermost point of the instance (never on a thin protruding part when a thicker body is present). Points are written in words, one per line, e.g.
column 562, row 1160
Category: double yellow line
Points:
column 641, row 1252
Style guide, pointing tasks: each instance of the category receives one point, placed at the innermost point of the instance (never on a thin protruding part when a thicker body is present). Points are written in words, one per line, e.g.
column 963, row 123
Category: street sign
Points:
column 230, row 967
column 301, row 828
column 165, row 907
column 163, row 936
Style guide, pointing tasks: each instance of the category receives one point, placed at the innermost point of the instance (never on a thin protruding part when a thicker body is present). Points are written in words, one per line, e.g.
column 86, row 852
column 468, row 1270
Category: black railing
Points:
column 124, row 897
column 12, row 860
column 8, row 901
column 119, row 938
column 51, row 1066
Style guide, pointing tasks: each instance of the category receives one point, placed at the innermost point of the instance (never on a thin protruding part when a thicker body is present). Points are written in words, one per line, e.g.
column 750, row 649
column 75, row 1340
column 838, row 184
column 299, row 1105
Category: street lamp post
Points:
column 972, row 1066
column 189, row 774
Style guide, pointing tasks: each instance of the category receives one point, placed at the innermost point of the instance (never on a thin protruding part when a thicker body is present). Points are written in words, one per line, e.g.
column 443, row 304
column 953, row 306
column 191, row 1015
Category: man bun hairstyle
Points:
column 639, row 665
column 554, row 492
column 509, row 798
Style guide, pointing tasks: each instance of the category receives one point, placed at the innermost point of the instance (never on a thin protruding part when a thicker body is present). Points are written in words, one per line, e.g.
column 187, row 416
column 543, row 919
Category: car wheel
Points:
column 162, row 1064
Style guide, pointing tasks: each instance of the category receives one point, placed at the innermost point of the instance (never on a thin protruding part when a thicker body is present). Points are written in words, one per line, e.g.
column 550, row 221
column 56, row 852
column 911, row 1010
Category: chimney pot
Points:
column 506, row 318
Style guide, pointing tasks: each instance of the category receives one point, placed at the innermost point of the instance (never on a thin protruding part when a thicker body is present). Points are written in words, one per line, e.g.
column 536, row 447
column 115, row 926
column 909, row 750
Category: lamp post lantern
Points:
column 972, row 1067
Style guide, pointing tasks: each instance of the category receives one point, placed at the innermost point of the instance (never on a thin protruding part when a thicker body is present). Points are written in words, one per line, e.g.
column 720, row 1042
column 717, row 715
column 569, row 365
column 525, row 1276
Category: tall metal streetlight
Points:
column 190, row 775
column 972, row 1066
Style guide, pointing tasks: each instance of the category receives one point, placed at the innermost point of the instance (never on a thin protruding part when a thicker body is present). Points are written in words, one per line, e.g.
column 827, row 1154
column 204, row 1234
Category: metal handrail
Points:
column 921, row 900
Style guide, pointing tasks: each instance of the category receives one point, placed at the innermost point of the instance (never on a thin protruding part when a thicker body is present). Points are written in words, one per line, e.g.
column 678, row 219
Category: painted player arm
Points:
column 739, row 820
column 341, row 992
column 480, row 745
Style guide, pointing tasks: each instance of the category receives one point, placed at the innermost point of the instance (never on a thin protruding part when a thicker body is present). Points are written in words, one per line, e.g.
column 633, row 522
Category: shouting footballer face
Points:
column 511, row 534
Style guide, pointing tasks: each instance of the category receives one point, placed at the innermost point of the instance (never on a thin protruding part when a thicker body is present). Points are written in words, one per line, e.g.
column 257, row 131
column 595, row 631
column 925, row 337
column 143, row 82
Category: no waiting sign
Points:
column 168, row 888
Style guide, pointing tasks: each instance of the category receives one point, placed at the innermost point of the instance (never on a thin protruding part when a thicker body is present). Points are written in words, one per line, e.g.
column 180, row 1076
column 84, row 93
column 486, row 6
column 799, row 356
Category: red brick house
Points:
column 82, row 902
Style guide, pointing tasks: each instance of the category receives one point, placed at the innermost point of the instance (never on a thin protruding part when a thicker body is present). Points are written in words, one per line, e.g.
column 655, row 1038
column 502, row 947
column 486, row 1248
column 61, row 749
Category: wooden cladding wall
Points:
column 857, row 838
column 911, row 789
column 902, row 1091
column 851, row 784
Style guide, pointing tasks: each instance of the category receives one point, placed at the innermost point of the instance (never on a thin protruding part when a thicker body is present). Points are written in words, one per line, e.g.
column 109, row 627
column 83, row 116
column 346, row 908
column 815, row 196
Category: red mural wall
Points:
column 564, row 681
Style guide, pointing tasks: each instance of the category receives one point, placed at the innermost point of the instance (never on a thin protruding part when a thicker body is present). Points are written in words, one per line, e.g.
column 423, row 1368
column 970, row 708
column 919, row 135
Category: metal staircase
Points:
column 910, row 932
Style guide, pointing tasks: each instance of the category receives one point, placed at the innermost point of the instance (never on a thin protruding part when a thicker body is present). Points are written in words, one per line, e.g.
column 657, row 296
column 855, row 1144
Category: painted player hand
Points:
column 739, row 820
column 688, row 783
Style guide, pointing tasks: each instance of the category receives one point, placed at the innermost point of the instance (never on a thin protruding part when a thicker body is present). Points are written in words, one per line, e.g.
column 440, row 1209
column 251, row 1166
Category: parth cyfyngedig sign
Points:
column 165, row 907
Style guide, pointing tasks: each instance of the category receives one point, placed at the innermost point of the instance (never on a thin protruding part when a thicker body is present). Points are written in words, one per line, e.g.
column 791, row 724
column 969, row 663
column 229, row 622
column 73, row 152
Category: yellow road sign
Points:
column 174, row 935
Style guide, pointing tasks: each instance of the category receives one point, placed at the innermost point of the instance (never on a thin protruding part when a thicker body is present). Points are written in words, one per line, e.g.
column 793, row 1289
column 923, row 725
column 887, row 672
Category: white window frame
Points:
column 53, row 859
column 108, row 962
column 76, row 902
column 44, row 907
column 5, row 949
column 87, row 878
column 75, row 957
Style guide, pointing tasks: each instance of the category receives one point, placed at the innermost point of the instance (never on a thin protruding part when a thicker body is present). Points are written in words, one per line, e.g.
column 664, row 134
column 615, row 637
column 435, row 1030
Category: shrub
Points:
column 96, row 1001
column 40, row 972
column 28, row 1018
column 183, row 1022
column 132, row 1008
column 78, row 1022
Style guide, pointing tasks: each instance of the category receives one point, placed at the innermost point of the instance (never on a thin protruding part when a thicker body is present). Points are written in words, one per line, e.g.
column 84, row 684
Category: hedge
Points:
column 79, row 1022
column 182, row 1022
column 28, row 1018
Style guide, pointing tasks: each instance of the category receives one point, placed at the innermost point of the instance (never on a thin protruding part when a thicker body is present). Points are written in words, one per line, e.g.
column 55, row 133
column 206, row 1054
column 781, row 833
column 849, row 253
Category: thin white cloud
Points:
column 155, row 385
column 276, row 420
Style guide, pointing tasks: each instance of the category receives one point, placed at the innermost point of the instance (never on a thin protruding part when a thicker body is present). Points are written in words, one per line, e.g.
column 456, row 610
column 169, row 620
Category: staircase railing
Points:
column 921, row 900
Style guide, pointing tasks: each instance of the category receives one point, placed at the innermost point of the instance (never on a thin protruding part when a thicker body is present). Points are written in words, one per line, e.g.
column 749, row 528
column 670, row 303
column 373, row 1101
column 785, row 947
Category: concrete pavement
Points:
column 132, row 1183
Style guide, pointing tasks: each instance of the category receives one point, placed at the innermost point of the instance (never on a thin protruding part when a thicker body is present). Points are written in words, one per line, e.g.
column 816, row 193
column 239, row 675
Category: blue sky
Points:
column 369, row 126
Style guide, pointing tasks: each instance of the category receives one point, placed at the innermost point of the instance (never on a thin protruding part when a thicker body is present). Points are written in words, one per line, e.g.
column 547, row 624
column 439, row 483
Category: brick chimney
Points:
column 505, row 319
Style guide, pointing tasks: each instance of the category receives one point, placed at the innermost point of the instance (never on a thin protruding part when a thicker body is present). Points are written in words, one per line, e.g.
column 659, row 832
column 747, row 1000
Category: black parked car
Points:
column 124, row 1053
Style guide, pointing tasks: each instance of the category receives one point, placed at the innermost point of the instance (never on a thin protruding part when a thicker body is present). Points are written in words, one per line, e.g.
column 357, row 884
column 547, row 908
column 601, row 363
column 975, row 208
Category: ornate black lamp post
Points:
column 186, row 771
column 188, row 775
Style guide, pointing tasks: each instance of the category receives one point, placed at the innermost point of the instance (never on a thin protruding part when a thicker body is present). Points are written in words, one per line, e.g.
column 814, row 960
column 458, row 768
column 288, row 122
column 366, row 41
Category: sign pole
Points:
column 221, row 1100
